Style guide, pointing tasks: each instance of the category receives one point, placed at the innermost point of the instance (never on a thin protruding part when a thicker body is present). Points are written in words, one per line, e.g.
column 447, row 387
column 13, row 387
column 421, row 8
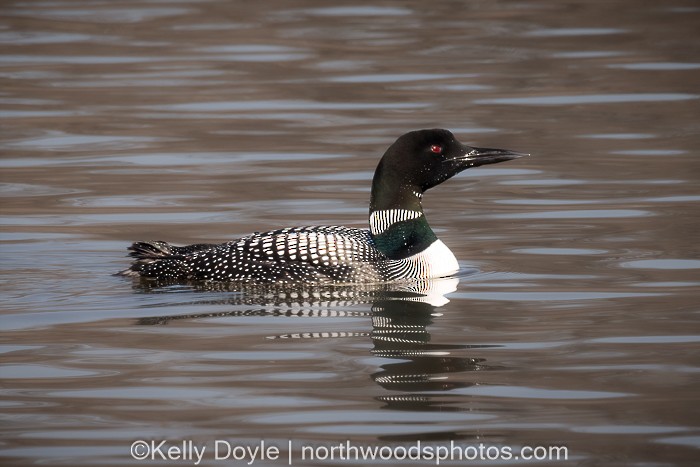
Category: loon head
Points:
column 422, row 159
column 416, row 162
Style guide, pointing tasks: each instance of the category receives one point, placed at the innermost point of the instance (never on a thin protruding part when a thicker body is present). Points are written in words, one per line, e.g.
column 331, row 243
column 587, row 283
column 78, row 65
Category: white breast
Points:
column 435, row 261
column 438, row 260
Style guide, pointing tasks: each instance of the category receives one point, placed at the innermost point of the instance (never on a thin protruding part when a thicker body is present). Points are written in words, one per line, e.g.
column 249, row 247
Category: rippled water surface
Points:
column 574, row 320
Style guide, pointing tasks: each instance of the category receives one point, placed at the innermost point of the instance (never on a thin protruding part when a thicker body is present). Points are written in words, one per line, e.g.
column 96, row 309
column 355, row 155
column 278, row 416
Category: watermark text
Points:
column 238, row 453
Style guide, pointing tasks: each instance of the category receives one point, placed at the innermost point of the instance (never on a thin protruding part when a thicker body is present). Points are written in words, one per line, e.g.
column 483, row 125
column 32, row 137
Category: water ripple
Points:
column 590, row 99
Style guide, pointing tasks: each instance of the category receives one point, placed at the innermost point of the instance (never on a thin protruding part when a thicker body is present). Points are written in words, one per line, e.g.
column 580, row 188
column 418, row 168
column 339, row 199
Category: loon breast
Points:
column 435, row 261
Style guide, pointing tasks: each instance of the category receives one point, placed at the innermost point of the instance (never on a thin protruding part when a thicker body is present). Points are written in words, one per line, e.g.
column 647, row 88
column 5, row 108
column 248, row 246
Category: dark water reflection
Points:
column 400, row 317
column 573, row 321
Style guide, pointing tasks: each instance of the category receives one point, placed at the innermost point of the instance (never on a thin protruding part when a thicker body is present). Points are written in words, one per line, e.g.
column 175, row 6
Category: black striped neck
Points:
column 400, row 229
column 397, row 223
column 400, row 233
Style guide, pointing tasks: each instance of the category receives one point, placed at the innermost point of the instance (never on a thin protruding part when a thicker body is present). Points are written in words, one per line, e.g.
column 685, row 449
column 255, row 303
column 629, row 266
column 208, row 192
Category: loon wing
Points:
column 317, row 254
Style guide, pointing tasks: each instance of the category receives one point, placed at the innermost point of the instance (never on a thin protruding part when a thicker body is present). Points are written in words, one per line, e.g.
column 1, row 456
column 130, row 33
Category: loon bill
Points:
column 399, row 244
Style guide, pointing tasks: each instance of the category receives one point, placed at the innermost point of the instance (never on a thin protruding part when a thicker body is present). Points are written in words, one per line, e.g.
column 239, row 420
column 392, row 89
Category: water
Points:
column 572, row 323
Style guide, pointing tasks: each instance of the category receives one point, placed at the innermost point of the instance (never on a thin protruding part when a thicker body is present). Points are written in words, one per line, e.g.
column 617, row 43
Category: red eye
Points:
column 436, row 148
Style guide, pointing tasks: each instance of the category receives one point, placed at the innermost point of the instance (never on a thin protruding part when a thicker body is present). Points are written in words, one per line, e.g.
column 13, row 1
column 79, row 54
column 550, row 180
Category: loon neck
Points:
column 397, row 223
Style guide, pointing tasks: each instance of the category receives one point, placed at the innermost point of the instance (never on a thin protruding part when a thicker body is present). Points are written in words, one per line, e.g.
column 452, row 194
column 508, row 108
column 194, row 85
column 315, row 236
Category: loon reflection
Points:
column 400, row 315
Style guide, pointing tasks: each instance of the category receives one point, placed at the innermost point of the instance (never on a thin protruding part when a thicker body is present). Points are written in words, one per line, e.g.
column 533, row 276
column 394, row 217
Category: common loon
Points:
column 399, row 244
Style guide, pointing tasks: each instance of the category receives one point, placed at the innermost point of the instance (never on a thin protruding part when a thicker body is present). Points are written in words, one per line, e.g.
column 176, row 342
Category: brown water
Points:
column 573, row 323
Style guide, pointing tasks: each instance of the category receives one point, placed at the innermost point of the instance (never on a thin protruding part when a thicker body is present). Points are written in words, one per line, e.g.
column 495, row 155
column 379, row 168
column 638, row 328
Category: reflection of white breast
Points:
column 431, row 291
column 435, row 261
